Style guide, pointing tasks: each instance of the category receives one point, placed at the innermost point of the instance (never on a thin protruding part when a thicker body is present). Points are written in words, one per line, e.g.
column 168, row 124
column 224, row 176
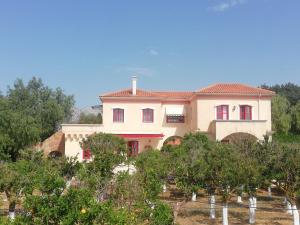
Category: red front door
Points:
column 133, row 148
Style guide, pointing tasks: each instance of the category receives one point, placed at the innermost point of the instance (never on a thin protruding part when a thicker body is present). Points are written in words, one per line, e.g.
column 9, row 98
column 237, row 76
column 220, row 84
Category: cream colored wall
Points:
column 132, row 117
column 206, row 111
column 200, row 115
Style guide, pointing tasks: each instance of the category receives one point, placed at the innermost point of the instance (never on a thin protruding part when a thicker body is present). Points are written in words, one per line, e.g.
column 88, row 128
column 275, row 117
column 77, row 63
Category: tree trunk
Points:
column 251, row 211
column 269, row 191
column 289, row 208
column 239, row 199
column 11, row 210
column 225, row 214
column 295, row 215
column 164, row 188
column 212, row 207
column 194, row 197
column 254, row 201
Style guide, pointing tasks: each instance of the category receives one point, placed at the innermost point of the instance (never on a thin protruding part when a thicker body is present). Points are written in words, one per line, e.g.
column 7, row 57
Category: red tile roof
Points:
column 234, row 89
column 216, row 89
column 158, row 94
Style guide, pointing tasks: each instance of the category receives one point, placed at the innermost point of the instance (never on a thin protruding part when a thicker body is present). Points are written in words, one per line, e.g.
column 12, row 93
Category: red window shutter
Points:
column 86, row 154
column 148, row 116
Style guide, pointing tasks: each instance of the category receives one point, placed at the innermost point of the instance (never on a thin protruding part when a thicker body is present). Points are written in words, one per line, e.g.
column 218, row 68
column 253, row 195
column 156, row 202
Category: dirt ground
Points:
column 270, row 211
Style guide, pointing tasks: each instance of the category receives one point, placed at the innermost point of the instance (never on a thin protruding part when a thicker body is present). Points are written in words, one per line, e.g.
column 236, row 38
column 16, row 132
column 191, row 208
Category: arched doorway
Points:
column 55, row 154
column 173, row 140
column 239, row 137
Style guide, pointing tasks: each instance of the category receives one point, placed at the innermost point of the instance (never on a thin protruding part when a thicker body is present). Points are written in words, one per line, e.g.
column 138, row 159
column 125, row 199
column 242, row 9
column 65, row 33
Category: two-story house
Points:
column 148, row 118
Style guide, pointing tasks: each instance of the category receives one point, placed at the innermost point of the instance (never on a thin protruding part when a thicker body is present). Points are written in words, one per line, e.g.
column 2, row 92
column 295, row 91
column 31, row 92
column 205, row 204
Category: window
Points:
column 133, row 148
column 175, row 118
column 245, row 112
column 86, row 154
column 118, row 115
column 148, row 115
column 222, row 112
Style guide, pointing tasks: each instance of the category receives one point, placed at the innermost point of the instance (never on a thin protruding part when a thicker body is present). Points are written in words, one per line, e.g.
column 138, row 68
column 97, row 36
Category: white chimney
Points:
column 134, row 79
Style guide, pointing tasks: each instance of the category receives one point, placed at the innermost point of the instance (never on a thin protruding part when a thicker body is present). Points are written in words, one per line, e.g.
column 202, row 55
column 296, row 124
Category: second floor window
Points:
column 246, row 112
column 148, row 115
column 222, row 112
column 118, row 115
column 175, row 118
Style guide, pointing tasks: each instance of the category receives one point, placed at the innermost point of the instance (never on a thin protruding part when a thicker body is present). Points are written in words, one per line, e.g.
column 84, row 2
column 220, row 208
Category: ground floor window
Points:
column 86, row 154
column 133, row 148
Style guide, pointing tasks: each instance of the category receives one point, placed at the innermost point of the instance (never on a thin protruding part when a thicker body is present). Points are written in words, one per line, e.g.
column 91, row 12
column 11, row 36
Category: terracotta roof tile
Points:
column 234, row 89
column 128, row 93
column 158, row 94
column 216, row 89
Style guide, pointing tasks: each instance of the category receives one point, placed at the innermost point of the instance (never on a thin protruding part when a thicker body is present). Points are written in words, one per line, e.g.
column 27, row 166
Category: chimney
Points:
column 134, row 79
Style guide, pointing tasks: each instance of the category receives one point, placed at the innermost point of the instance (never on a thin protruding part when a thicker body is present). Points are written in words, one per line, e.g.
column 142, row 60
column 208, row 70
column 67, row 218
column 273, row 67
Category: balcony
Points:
column 222, row 128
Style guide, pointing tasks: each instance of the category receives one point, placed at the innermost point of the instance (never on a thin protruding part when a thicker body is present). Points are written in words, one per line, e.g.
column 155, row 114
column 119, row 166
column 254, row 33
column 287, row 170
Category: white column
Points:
column 194, row 197
column 225, row 214
column 212, row 207
column 251, row 211
column 295, row 215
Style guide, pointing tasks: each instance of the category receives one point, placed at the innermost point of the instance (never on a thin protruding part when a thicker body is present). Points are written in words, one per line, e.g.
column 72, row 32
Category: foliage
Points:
column 281, row 118
column 286, row 138
column 162, row 214
column 289, row 90
column 296, row 118
column 107, row 151
column 90, row 118
column 190, row 168
column 47, row 107
column 287, row 169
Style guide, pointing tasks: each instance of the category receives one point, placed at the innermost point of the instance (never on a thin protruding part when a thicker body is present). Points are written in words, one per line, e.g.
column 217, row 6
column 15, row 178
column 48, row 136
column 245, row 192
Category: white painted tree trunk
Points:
column 239, row 199
column 269, row 191
column 251, row 211
column 254, row 202
column 295, row 215
column 164, row 188
column 68, row 184
column 194, row 197
column 212, row 207
column 289, row 208
column 225, row 214
column 11, row 215
column 284, row 200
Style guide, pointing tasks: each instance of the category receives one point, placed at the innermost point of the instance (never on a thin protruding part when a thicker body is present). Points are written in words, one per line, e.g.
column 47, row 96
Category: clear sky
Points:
column 91, row 47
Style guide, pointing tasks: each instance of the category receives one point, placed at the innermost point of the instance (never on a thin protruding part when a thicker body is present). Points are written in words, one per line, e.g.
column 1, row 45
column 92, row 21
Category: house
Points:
column 149, row 118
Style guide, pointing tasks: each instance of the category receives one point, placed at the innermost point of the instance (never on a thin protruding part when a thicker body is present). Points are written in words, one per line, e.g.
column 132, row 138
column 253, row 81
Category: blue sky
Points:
column 91, row 47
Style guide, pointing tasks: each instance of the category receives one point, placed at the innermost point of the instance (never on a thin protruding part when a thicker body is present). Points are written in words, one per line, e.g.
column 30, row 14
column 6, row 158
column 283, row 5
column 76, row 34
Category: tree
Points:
column 287, row 175
column 189, row 166
column 107, row 151
column 17, row 131
column 90, row 118
column 49, row 108
column 225, row 173
column 289, row 90
column 296, row 117
column 281, row 118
